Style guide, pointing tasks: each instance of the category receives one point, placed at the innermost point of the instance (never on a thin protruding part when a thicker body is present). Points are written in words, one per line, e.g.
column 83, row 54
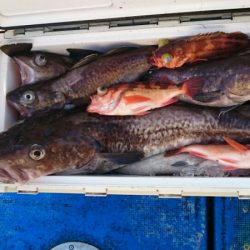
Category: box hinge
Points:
column 27, row 190
column 134, row 22
column 169, row 193
column 244, row 195
column 146, row 21
column 95, row 191
column 206, row 17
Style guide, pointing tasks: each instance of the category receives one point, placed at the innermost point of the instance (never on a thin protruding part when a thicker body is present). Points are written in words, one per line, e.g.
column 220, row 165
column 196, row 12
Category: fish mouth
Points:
column 103, row 108
column 26, row 72
column 24, row 112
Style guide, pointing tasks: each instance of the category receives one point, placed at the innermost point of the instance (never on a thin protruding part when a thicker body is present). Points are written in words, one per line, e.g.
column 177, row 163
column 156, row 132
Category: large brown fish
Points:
column 226, row 82
column 58, row 142
column 83, row 81
column 37, row 66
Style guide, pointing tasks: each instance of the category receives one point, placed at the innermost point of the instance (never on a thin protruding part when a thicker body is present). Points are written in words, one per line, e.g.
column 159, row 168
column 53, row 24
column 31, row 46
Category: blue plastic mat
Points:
column 123, row 222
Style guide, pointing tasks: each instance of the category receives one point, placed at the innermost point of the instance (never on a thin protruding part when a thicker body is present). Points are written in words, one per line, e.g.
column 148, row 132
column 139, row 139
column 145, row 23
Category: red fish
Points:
column 232, row 156
column 139, row 98
column 199, row 48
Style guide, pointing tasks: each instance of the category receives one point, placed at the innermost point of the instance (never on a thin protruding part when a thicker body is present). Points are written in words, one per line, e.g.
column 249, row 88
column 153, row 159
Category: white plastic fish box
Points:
column 104, row 24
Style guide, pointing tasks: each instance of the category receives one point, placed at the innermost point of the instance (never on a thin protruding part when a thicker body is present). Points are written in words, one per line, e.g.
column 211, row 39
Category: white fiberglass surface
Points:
column 103, row 40
column 29, row 12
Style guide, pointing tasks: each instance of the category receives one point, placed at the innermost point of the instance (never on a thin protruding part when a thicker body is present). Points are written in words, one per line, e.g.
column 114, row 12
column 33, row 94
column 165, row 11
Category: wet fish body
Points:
column 199, row 48
column 139, row 98
column 225, row 82
column 177, row 165
column 82, row 81
column 55, row 143
column 231, row 156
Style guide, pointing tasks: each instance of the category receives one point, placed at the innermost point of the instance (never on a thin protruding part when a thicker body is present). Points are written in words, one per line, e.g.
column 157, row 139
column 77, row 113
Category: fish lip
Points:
column 24, row 71
column 94, row 108
column 24, row 112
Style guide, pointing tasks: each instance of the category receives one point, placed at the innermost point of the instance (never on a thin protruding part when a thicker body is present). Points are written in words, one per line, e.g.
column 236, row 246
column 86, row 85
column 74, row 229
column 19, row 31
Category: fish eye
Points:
column 37, row 152
column 28, row 97
column 102, row 90
column 167, row 58
column 40, row 60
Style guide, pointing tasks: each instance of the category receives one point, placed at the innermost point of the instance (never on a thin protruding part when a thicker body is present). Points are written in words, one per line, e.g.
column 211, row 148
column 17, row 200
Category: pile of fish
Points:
column 179, row 108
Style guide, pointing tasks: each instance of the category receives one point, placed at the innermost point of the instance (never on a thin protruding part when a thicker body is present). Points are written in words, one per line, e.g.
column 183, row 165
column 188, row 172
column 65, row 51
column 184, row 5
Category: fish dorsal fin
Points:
column 92, row 57
column 78, row 54
column 119, row 50
column 17, row 48
column 234, row 144
column 206, row 36
column 86, row 60
column 162, row 42
column 211, row 35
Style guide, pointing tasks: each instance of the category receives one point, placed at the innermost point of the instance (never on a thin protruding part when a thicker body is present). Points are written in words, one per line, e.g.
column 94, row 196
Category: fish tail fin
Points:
column 193, row 86
column 239, row 147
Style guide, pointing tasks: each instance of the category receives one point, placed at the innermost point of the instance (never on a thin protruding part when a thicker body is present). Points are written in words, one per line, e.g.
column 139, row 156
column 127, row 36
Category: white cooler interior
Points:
column 103, row 39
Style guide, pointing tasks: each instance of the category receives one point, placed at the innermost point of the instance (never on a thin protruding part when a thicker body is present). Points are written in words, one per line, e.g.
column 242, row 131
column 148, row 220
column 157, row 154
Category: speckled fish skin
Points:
column 41, row 66
column 73, row 141
column 81, row 82
column 226, row 82
column 199, row 48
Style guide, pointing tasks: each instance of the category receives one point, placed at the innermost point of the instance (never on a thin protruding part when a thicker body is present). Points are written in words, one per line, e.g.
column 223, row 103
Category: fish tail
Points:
column 192, row 87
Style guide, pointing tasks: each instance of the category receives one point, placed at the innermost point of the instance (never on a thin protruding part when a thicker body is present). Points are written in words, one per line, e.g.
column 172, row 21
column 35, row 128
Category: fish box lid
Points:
column 16, row 13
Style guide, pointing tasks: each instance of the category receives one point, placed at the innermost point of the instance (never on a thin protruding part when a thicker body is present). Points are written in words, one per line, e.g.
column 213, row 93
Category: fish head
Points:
column 105, row 101
column 238, row 90
column 38, row 149
column 32, row 98
column 168, row 56
column 40, row 66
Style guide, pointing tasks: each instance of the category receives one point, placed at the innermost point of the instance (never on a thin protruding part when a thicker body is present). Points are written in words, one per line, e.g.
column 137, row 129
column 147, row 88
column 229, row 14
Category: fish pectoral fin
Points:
column 122, row 158
column 14, row 49
column 228, row 109
column 234, row 144
column 207, row 97
column 119, row 50
column 78, row 54
column 193, row 86
column 132, row 99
